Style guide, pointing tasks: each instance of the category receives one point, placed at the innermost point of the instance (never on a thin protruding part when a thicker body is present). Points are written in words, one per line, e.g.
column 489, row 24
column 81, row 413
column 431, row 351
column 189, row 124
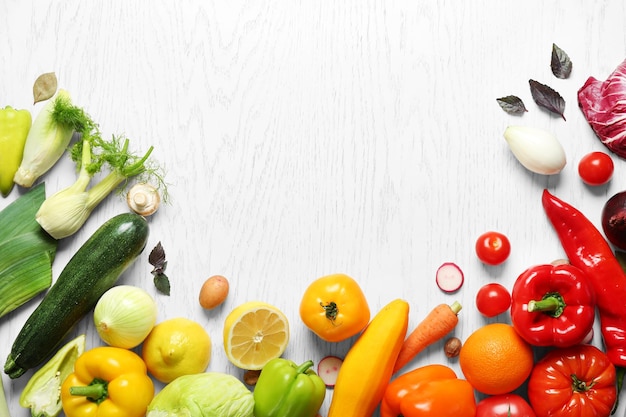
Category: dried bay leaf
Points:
column 547, row 98
column 45, row 87
column 512, row 104
column 560, row 63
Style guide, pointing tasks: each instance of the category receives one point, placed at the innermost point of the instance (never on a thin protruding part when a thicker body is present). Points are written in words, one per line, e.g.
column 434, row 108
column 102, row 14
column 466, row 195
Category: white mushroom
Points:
column 143, row 199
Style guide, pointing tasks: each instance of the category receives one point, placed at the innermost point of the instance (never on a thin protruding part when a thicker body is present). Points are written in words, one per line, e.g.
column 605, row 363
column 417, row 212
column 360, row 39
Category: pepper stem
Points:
column 551, row 303
column 304, row 367
column 97, row 391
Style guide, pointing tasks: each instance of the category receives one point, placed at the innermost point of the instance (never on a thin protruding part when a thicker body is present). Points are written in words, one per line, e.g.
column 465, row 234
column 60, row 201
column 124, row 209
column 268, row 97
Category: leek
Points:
column 27, row 252
column 48, row 138
column 4, row 406
column 64, row 213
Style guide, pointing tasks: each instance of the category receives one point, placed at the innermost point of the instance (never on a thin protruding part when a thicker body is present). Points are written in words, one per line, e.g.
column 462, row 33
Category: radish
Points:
column 449, row 277
column 328, row 369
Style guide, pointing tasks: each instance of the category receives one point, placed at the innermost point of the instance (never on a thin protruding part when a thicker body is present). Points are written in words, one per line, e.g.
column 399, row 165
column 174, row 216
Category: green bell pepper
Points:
column 285, row 389
column 14, row 128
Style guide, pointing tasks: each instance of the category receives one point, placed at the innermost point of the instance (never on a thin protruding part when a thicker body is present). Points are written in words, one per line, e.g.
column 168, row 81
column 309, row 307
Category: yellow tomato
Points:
column 334, row 308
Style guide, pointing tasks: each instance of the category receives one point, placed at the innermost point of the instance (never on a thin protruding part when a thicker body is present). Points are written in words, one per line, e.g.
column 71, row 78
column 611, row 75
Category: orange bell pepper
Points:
column 334, row 308
column 107, row 382
column 432, row 390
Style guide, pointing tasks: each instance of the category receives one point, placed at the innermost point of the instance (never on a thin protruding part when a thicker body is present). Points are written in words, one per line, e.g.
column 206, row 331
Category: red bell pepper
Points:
column 574, row 381
column 587, row 250
column 431, row 390
column 553, row 305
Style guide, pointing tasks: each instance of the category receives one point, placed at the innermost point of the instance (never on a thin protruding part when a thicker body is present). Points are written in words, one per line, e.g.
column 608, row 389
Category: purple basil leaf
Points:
column 512, row 104
column 561, row 64
column 157, row 257
column 547, row 98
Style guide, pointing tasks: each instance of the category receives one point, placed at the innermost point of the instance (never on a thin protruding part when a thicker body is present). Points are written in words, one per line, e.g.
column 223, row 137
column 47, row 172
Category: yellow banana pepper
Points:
column 107, row 382
column 14, row 127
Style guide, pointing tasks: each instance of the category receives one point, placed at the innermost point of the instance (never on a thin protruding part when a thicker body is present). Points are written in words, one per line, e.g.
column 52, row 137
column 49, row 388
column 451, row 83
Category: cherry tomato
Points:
column 505, row 405
column 596, row 168
column 493, row 299
column 493, row 248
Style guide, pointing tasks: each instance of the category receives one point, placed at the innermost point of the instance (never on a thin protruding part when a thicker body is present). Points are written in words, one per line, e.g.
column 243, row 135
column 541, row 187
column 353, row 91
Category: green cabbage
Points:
column 209, row 394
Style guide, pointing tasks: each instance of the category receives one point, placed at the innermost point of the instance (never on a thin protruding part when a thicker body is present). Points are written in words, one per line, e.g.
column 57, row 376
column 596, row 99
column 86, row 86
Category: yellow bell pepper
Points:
column 107, row 382
column 14, row 127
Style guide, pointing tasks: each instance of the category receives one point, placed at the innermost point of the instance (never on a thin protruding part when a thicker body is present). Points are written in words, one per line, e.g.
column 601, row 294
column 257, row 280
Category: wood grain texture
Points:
column 306, row 138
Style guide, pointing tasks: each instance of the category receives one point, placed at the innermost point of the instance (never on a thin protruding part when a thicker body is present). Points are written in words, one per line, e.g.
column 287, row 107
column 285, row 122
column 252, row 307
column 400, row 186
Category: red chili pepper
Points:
column 553, row 305
column 587, row 249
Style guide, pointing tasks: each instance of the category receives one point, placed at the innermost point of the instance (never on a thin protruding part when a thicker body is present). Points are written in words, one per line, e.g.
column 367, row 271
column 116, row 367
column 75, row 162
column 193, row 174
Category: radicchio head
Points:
column 603, row 104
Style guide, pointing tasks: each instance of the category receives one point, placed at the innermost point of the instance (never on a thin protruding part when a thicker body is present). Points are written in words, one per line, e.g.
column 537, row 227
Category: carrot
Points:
column 437, row 324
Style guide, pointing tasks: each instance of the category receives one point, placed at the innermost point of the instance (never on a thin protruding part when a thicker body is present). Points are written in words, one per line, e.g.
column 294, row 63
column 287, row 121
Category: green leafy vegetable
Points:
column 27, row 252
column 547, row 98
column 560, row 63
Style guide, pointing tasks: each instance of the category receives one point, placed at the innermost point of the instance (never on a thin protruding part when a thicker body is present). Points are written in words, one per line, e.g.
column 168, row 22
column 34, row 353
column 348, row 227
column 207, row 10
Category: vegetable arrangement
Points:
column 551, row 306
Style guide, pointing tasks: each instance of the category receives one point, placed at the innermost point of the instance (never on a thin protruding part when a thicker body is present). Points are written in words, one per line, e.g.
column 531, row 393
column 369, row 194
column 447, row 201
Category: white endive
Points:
column 536, row 149
column 46, row 142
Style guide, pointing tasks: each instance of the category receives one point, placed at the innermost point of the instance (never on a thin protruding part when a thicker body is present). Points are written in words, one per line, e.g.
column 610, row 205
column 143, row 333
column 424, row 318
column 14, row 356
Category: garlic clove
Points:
column 536, row 149
column 143, row 199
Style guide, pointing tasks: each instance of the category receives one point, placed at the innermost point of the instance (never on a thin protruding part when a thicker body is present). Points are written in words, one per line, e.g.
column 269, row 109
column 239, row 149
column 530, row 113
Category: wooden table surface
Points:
column 304, row 138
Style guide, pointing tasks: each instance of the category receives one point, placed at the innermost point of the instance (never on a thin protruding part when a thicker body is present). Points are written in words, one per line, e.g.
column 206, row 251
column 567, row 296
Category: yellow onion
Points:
column 124, row 316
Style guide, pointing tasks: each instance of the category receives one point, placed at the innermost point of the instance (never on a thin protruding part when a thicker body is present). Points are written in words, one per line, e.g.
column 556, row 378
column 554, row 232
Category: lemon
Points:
column 255, row 333
column 176, row 347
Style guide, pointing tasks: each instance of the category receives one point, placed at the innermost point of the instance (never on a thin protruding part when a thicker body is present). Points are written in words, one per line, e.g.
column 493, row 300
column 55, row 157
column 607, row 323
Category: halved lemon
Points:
column 255, row 333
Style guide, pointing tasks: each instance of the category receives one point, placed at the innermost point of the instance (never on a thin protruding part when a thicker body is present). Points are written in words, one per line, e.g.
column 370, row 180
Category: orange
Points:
column 495, row 359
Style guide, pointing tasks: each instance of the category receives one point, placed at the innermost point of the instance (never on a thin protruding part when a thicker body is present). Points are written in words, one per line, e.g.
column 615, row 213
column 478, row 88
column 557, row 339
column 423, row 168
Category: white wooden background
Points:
column 303, row 138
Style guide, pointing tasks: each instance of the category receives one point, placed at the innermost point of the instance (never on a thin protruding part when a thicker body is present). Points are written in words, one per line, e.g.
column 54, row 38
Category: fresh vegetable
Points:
column 204, row 394
column 144, row 199
column 4, row 406
column 449, row 277
column 48, row 138
column 27, row 252
column 589, row 251
column 107, row 381
column 493, row 299
column 124, row 316
column 493, row 248
column 504, row 405
column 328, row 369
column 93, row 269
column 536, row 149
column 547, row 98
column 553, row 305
column 42, row 393
column 368, row 366
column 560, row 63
column 14, row 127
column 613, row 220
column 431, row 390
column 579, row 380
column 602, row 104
column 334, row 307
column 213, row 292
column 596, row 168
column 439, row 322
column 64, row 213
column 159, row 262
column 285, row 389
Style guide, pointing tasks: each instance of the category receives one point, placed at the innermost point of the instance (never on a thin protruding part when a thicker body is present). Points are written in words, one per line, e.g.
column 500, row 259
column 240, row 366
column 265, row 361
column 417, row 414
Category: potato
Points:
column 213, row 292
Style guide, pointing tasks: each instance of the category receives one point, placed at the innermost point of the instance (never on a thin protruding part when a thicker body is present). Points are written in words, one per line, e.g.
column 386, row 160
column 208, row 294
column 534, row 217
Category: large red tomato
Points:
column 504, row 405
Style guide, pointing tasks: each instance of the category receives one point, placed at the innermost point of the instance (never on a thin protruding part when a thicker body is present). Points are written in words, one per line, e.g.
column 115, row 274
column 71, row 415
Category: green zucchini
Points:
column 94, row 268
